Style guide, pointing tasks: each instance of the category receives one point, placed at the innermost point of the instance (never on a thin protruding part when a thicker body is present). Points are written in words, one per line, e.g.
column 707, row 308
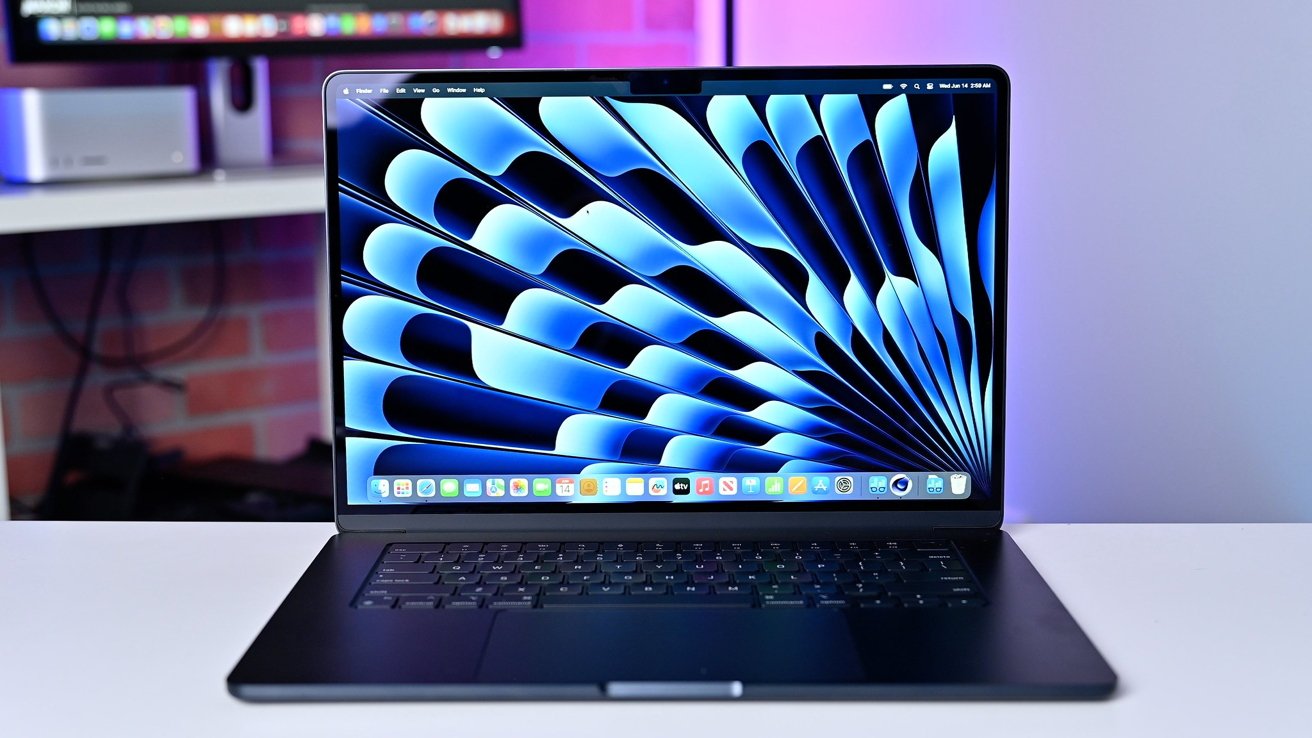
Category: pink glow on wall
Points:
column 1158, row 239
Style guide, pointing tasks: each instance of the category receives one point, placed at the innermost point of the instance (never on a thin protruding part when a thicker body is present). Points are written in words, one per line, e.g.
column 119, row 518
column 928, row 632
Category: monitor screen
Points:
column 769, row 292
column 73, row 30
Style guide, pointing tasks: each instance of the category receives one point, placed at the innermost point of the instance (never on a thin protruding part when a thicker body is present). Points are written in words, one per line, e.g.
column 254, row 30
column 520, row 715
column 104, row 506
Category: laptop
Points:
column 669, row 384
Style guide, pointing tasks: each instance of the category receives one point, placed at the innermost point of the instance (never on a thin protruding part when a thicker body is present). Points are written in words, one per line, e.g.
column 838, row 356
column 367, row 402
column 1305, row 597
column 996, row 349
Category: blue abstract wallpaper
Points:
column 782, row 283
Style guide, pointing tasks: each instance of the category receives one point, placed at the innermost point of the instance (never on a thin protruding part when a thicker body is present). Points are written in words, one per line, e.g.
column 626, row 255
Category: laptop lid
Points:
column 752, row 301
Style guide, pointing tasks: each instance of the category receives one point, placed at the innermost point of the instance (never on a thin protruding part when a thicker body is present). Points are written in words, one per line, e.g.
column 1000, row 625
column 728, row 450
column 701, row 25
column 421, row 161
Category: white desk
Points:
column 130, row 629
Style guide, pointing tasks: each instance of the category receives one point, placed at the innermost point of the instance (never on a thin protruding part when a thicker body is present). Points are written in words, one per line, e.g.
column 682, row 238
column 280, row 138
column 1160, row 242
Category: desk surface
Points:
column 130, row 629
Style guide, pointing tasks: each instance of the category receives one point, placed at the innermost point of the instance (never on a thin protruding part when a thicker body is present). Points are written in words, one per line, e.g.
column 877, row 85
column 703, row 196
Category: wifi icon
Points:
column 904, row 85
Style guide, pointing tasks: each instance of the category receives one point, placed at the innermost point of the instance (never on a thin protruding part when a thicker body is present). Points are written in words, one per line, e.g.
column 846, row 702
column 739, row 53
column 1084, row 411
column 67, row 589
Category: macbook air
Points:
column 669, row 384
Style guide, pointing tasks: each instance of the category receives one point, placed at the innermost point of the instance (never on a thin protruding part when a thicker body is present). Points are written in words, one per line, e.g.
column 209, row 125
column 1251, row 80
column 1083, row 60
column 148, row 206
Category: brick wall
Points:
column 251, row 384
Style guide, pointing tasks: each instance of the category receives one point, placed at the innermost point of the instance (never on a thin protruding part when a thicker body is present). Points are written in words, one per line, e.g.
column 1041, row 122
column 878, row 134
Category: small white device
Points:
column 60, row 135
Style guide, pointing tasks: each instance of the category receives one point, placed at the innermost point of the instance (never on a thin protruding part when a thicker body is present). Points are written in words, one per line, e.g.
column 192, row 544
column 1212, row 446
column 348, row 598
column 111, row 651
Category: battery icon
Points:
column 888, row 85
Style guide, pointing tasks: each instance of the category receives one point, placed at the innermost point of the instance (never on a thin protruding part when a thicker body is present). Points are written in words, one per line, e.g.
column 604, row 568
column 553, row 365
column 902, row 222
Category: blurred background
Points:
column 1159, row 248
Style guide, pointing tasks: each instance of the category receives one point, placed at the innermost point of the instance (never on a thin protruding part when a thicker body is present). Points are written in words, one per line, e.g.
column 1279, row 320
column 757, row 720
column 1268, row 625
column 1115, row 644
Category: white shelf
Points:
column 218, row 195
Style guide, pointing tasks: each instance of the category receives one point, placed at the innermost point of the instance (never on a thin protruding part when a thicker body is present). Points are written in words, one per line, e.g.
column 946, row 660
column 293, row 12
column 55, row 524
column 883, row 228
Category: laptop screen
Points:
column 758, row 292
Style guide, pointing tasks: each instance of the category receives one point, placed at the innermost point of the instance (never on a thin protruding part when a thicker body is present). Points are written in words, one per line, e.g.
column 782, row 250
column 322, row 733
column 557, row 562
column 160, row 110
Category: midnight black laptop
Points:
column 669, row 384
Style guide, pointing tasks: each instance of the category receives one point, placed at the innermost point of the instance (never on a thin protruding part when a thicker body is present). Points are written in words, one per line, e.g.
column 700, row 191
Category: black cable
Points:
column 217, row 296
column 728, row 33
column 142, row 373
column 86, row 357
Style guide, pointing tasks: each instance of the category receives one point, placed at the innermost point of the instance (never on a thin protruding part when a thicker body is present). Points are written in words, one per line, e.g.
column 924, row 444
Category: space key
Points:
column 649, row 601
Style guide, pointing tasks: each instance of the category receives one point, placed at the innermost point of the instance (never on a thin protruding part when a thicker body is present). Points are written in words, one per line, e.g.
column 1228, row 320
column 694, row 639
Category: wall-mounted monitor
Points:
column 81, row 30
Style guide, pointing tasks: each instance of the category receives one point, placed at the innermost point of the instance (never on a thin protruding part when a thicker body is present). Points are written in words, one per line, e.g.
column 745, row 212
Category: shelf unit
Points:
column 213, row 195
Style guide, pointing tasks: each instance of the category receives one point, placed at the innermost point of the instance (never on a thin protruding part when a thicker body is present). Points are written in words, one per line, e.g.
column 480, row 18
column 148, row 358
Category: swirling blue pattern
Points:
column 727, row 284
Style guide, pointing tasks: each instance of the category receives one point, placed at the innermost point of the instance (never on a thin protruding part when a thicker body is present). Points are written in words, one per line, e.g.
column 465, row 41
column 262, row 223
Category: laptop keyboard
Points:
column 873, row 574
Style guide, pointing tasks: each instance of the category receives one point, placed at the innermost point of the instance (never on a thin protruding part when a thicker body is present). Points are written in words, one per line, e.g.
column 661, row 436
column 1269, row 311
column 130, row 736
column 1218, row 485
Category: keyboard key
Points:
column 522, row 603
column 936, row 576
column 464, row 547
column 649, row 589
column 564, row 590
column 543, row 578
column 663, row 567
column 822, row 566
column 876, row 602
column 464, row 603
column 929, row 589
column 405, row 579
column 578, row 566
column 477, row 589
column 674, row 600
column 405, row 568
column 922, row 602
column 522, row 589
column 502, row 547
column 396, row 590
column 964, row 602
column 420, row 603
column 502, row 578
column 595, row 577
column 617, row 567
column 401, row 558
column 827, row 600
column 782, row 601
column 496, row 568
column 380, row 603
column 605, row 590
column 451, row 568
column 776, row 589
column 420, row 548
column 743, row 567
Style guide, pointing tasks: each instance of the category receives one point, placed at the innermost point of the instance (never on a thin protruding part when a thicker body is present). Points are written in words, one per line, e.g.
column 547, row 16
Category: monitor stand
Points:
column 239, row 112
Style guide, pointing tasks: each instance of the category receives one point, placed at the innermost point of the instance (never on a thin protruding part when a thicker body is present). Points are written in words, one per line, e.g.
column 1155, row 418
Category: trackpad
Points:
column 596, row 646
